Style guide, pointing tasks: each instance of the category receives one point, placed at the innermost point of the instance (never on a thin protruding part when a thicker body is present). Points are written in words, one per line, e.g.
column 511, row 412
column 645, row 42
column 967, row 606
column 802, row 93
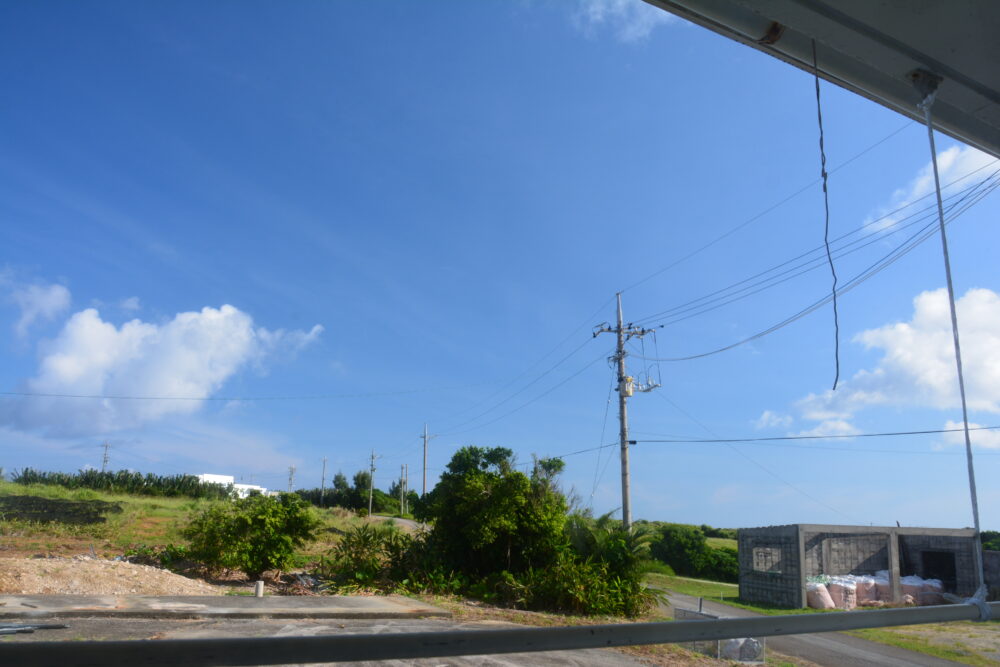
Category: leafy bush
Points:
column 501, row 536
column 685, row 549
column 170, row 556
column 254, row 534
column 488, row 517
column 991, row 540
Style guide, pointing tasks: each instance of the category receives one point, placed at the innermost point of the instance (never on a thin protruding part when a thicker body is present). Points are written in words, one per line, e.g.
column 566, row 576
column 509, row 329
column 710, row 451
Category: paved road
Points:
column 830, row 649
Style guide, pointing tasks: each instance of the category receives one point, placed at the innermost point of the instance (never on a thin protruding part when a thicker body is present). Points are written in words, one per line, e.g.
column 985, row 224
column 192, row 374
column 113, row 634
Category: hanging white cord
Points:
column 929, row 81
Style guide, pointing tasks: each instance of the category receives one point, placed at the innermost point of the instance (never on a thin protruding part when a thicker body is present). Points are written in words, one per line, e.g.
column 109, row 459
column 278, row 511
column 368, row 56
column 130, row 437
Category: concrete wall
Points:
column 770, row 567
column 845, row 553
column 775, row 560
column 912, row 549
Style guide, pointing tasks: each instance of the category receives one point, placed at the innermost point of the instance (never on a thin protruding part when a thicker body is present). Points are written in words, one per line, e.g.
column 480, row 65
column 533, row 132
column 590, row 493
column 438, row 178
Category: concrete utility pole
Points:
column 104, row 461
column 402, row 472
column 371, row 484
column 322, row 483
column 427, row 438
column 626, row 387
column 291, row 477
column 406, row 487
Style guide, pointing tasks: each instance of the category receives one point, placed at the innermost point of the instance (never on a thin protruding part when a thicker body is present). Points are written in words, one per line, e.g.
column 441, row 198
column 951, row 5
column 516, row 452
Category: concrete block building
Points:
column 776, row 560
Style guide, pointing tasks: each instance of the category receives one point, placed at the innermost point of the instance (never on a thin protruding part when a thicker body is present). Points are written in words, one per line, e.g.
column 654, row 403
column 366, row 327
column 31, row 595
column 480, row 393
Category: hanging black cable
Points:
column 826, row 226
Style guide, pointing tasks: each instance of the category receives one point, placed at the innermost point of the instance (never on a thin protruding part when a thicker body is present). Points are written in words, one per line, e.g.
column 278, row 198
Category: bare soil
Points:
column 83, row 575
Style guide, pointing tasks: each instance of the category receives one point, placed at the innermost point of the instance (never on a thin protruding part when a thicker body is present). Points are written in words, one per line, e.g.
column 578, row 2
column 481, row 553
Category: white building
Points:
column 242, row 490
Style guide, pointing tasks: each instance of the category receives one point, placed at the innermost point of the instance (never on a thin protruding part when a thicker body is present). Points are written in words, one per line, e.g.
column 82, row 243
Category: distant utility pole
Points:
column 371, row 484
column 402, row 496
column 322, row 483
column 291, row 477
column 406, row 487
column 104, row 461
column 626, row 387
column 427, row 438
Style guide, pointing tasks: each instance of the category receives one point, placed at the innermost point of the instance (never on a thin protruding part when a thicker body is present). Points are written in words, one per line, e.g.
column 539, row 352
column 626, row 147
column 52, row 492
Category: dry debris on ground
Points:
column 84, row 575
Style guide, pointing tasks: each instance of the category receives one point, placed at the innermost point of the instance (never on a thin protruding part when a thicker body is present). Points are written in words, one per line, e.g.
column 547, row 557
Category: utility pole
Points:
column 371, row 484
column 626, row 387
column 402, row 509
column 104, row 461
column 406, row 487
column 291, row 477
column 322, row 484
column 427, row 438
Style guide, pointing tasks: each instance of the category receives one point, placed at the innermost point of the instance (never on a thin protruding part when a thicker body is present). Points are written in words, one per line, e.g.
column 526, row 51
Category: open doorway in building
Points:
column 940, row 565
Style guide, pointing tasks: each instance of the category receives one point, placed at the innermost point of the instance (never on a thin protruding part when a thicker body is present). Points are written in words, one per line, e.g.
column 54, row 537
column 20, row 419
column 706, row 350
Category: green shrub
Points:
column 253, row 534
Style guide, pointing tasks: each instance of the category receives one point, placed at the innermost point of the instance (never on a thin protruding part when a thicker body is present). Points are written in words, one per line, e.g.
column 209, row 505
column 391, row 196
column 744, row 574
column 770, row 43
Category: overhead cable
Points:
column 887, row 260
column 758, row 216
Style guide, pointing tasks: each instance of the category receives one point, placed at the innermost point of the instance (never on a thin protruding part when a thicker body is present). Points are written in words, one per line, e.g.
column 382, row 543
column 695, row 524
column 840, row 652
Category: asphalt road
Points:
column 830, row 649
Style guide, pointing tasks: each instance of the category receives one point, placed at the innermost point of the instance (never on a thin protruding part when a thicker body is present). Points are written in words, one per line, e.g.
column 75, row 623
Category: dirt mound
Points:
column 83, row 575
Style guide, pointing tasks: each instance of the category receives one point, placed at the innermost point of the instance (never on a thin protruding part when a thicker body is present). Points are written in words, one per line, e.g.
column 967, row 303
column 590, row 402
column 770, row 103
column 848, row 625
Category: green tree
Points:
column 683, row 548
column 488, row 517
column 253, row 534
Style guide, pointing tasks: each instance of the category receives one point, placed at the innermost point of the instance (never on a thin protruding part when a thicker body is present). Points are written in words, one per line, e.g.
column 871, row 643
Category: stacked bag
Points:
column 849, row 591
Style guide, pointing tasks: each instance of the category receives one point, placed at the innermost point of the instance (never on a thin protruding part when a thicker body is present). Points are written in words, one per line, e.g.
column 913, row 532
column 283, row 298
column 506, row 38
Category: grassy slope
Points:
column 144, row 520
column 719, row 542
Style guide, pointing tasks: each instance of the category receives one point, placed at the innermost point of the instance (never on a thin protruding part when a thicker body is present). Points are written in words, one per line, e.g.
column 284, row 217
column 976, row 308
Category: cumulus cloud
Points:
column 953, row 164
column 190, row 358
column 37, row 303
column 769, row 419
column 917, row 366
column 630, row 20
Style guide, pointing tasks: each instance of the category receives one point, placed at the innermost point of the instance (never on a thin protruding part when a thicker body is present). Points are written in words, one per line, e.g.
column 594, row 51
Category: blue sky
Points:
column 323, row 224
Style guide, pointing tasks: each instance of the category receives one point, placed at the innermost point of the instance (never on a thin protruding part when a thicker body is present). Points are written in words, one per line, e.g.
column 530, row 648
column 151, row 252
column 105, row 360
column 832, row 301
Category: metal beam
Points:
column 347, row 648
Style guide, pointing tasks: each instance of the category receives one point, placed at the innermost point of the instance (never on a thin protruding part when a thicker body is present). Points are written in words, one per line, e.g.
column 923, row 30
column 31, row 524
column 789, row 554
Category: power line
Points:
column 887, row 260
column 823, row 437
column 878, row 233
column 525, row 387
column 545, row 356
column 313, row 397
column 755, row 462
column 760, row 215
column 533, row 400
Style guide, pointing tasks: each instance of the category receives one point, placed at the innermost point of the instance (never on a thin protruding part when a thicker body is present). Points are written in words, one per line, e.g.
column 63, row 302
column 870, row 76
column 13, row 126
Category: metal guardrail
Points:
column 346, row 648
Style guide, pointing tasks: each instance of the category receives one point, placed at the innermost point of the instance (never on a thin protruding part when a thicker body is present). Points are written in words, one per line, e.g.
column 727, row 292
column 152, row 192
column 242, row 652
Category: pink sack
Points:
column 883, row 589
column 866, row 591
column 843, row 595
column 818, row 597
column 912, row 586
column 932, row 592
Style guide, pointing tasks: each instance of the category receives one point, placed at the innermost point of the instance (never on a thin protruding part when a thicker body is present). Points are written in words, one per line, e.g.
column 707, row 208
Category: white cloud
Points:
column 953, row 163
column 130, row 304
column 831, row 427
column 38, row 303
column 769, row 419
column 983, row 439
column 917, row 367
column 190, row 356
column 631, row 20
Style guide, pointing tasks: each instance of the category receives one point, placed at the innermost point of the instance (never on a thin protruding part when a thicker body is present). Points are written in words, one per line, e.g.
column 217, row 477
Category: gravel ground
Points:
column 83, row 575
